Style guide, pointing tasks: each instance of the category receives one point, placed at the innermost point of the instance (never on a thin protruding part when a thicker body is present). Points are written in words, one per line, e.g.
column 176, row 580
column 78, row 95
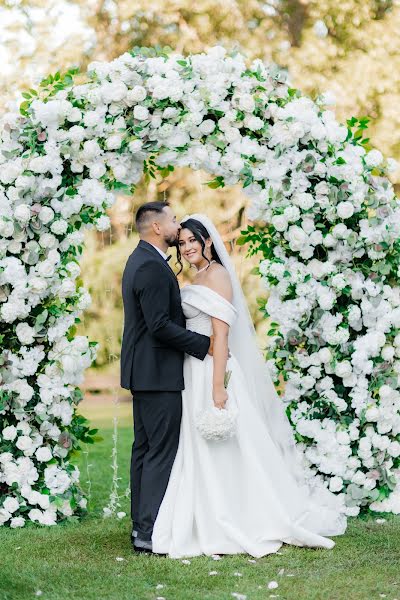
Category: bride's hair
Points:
column 201, row 234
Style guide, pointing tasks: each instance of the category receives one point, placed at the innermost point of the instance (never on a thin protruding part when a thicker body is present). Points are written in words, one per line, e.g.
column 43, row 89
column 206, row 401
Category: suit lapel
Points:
column 146, row 246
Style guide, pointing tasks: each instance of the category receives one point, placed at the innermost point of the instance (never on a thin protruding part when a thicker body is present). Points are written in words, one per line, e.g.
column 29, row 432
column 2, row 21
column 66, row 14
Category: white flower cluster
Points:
column 332, row 270
column 332, row 225
column 217, row 424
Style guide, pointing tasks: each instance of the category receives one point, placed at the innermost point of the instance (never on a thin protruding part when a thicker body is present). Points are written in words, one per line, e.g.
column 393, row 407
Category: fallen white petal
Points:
column 272, row 585
column 38, row 593
column 216, row 557
column 159, row 586
column 121, row 515
column 253, row 562
column 380, row 521
column 237, row 574
column 119, row 558
column 238, row 596
column 213, row 573
column 186, row 562
column 281, row 571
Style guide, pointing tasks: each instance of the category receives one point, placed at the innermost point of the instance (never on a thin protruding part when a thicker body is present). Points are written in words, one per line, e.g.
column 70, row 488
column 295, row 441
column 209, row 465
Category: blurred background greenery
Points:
column 349, row 47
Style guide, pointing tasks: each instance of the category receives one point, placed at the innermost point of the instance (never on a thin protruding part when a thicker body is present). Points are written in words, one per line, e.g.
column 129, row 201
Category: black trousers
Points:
column 157, row 419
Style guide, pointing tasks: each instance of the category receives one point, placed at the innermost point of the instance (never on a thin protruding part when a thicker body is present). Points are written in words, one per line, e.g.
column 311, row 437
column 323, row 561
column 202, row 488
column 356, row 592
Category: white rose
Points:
column 17, row 522
column 325, row 355
column 292, row 213
column 74, row 115
column 97, row 170
column 24, row 443
column 25, row 333
column 304, row 200
column 372, row 414
column 67, row 289
column 4, row 515
column 338, row 281
column 47, row 240
column 9, row 433
column 141, row 113
column 308, row 382
column 254, row 123
column 340, row 231
column 6, row 228
column 22, row 213
column 135, row 146
column 279, row 222
column 136, row 94
column 11, row 504
column 207, row 126
column 343, row 369
column 297, row 237
column 46, row 214
column 37, row 285
column 114, row 141
column 388, row 352
column 345, row 210
column 374, row 158
column 394, row 449
column 336, row 484
column 246, row 103
column 103, row 223
column 43, row 454
column 59, row 227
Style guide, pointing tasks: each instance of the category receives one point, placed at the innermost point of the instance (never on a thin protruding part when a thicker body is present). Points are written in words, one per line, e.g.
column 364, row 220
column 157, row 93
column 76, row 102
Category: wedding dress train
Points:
column 233, row 496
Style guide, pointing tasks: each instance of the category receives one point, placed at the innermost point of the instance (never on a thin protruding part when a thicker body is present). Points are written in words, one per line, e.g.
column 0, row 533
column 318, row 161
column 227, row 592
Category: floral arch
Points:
column 327, row 227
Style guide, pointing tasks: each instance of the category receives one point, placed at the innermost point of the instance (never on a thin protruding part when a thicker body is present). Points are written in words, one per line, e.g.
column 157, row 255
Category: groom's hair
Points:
column 145, row 212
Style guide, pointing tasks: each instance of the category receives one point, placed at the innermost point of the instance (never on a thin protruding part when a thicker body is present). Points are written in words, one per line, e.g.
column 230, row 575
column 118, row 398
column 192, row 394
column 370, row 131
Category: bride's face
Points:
column 190, row 248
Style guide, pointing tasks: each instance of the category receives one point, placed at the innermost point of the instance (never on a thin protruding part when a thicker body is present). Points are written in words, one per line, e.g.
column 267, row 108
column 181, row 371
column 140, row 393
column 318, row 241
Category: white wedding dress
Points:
column 238, row 495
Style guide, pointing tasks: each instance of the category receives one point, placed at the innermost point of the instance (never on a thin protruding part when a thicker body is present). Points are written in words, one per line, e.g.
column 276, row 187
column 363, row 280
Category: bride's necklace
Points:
column 206, row 267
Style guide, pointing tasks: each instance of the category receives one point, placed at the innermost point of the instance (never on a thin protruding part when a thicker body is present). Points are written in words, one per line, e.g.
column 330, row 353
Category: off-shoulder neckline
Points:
column 199, row 285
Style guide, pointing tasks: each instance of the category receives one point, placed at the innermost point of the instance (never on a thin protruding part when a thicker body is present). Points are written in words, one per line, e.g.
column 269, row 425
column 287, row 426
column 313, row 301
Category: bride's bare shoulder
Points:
column 217, row 278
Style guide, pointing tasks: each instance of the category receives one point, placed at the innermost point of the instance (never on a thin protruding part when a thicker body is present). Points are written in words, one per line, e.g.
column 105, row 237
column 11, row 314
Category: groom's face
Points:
column 169, row 226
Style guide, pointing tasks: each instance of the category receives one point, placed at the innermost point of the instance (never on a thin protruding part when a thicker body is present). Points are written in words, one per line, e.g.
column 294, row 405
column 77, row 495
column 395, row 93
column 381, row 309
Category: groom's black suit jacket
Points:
column 155, row 338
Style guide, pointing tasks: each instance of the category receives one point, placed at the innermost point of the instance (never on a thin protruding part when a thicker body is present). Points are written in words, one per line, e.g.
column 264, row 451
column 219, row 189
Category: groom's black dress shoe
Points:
column 142, row 545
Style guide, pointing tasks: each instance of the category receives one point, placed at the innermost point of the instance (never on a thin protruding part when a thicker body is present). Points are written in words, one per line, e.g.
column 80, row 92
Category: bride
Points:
column 247, row 493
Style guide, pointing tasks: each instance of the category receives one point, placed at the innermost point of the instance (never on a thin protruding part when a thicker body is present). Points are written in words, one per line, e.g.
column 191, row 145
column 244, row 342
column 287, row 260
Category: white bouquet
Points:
column 218, row 423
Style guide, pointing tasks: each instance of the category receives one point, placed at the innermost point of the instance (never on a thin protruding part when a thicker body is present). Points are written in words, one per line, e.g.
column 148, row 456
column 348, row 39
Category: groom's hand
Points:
column 211, row 348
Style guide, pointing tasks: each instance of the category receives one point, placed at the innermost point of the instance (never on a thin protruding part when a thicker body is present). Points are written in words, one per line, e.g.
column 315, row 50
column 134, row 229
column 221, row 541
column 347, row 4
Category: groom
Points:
column 153, row 346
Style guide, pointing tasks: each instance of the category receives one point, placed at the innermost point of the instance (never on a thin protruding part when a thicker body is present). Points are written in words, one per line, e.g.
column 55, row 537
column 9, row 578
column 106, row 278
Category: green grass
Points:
column 78, row 561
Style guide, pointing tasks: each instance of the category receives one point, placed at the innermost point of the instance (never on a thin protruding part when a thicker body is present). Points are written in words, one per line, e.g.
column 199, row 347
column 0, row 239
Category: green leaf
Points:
column 242, row 239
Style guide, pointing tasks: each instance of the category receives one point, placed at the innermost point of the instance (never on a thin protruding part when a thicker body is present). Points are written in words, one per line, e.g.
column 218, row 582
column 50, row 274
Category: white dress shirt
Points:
column 160, row 251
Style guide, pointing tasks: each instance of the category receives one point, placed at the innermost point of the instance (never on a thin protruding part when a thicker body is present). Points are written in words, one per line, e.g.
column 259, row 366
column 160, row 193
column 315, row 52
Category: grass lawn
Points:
column 79, row 561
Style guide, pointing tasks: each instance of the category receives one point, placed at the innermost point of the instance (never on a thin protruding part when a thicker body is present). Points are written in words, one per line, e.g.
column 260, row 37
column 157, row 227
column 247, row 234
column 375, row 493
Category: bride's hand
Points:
column 220, row 396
